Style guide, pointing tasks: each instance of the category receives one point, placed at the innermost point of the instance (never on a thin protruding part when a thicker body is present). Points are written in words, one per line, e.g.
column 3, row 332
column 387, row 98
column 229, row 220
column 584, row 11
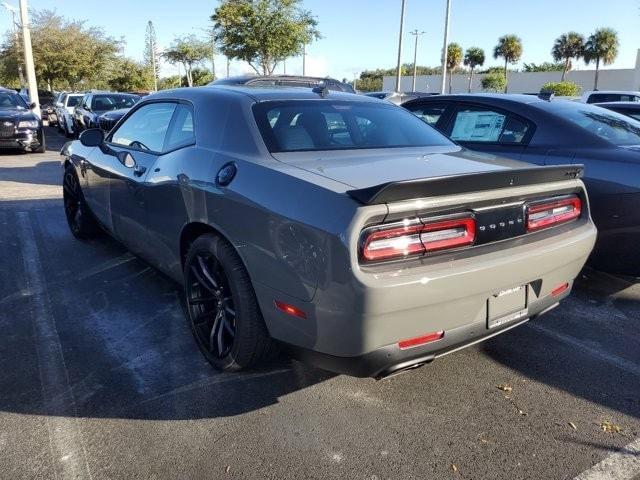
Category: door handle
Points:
column 139, row 170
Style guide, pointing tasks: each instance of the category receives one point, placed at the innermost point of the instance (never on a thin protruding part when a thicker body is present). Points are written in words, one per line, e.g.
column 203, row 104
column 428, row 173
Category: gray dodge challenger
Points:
column 337, row 226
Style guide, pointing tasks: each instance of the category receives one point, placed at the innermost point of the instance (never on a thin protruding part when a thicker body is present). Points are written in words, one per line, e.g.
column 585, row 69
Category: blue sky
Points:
column 363, row 34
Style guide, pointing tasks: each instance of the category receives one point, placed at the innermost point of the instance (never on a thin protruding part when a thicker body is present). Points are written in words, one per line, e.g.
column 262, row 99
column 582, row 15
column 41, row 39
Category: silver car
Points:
column 339, row 227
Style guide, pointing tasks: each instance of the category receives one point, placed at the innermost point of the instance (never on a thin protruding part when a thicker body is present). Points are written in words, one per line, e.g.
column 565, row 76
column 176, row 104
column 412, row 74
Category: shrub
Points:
column 494, row 82
column 563, row 89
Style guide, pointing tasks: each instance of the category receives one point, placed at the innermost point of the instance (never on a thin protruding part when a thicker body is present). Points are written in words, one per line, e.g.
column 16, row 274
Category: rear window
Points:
column 610, row 126
column 612, row 97
column 292, row 126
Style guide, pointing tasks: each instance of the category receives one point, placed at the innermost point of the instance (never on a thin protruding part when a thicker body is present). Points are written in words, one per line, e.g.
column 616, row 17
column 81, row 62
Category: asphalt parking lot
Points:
column 101, row 378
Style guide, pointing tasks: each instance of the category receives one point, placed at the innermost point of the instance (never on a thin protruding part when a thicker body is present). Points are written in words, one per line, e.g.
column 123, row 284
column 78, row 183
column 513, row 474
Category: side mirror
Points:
column 92, row 137
column 59, row 104
column 126, row 159
column 32, row 105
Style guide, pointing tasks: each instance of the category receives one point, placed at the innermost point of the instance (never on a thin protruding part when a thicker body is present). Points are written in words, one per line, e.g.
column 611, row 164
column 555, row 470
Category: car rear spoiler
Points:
column 471, row 182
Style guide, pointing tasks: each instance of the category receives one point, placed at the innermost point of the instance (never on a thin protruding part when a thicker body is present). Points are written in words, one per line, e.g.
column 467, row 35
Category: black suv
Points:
column 285, row 81
column 19, row 126
column 94, row 104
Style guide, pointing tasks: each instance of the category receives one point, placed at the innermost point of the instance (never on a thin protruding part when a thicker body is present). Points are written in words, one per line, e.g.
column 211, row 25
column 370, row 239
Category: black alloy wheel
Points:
column 223, row 311
column 80, row 219
column 211, row 309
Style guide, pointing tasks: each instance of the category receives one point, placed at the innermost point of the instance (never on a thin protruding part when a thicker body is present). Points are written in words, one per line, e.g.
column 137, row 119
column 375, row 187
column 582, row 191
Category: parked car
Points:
column 555, row 132
column 630, row 109
column 65, row 106
column 94, row 104
column 397, row 98
column 601, row 96
column 285, row 81
column 107, row 120
column 19, row 127
column 336, row 224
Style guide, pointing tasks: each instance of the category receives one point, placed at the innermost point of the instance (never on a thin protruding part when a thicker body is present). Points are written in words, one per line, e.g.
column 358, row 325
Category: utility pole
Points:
column 28, row 57
column 228, row 63
column 151, row 51
column 415, row 33
column 444, row 48
column 304, row 59
column 400, row 48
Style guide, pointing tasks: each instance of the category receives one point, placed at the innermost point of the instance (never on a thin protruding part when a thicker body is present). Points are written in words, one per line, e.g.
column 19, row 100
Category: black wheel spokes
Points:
column 210, row 306
column 71, row 199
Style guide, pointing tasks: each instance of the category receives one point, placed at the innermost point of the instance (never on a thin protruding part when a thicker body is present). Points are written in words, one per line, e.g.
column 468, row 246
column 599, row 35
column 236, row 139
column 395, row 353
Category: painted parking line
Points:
column 621, row 465
column 622, row 363
column 68, row 453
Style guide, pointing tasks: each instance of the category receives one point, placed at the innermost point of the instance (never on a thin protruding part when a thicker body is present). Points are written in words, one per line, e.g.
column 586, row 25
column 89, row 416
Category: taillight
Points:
column 413, row 237
column 553, row 212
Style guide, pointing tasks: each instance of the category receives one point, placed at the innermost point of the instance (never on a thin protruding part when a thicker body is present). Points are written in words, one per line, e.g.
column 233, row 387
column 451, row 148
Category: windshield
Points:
column 290, row 126
column 73, row 101
column 610, row 126
column 113, row 102
column 11, row 101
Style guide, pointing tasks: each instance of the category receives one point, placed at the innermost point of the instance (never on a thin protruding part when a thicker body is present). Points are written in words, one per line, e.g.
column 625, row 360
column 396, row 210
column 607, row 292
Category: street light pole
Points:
column 304, row 59
column 416, row 33
column 28, row 57
column 400, row 48
column 444, row 48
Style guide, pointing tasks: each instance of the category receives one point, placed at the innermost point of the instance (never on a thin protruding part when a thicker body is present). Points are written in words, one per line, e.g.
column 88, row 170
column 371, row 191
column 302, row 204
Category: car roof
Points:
column 489, row 98
column 618, row 104
column 246, row 78
column 261, row 94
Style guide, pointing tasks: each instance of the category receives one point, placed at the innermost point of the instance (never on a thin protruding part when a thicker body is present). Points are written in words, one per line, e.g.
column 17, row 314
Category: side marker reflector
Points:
column 421, row 340
column 290, row 309
column 559, row 289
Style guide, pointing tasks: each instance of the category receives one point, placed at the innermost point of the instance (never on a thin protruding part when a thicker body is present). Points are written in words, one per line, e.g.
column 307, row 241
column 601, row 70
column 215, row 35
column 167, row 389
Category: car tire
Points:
column 223, row 311
column 82, row 223
column 42, row 148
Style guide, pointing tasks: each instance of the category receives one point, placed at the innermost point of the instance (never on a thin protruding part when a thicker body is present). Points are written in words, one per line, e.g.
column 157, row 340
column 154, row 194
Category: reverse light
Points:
column 290, row 309
column 553, row 212
column 421, row 340
column 413, row 237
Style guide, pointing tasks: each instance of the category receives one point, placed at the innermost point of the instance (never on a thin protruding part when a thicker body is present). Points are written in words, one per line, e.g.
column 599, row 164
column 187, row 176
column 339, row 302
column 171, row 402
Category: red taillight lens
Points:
column 553, row 212
column 414, row 237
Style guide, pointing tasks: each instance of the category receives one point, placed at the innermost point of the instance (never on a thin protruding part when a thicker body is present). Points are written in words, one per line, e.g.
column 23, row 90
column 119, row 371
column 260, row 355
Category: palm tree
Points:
column 454, row 59
column 474, row 57
column 510, row 48
column 567, row 47
column 601, row 46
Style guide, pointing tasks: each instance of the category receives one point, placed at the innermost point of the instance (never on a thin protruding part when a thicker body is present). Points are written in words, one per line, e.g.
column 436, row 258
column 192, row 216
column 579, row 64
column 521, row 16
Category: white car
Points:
column 64, row 111
column 601, row 96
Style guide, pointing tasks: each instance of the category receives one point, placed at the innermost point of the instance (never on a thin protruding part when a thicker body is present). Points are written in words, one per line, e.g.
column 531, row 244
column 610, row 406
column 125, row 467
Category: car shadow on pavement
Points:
column 588, row 346
column 43, row 173
column 120, row 345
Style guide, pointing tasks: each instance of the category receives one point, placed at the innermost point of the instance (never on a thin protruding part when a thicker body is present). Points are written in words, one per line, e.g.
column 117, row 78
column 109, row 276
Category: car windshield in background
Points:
column 113, row 102
column 611, row 126
column 73, row 101
column 11, row 101
column 291, row 126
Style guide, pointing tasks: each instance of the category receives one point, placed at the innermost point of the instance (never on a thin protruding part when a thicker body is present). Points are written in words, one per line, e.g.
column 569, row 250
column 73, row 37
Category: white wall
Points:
column 527, row 82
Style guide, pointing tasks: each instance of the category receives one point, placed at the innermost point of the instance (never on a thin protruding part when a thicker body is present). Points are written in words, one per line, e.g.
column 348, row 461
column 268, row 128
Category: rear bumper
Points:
column 354, row 325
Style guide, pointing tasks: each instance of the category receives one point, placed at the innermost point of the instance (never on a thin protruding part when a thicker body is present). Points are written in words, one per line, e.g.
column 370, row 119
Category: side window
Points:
column 146, row 128
column 430, row 114
column 182, row 131
column 487, row 126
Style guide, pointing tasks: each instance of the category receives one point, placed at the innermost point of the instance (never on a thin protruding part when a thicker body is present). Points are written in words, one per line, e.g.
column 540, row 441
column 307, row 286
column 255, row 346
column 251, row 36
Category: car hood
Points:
column 366, row 168
column 14, row 115
column 115, row 114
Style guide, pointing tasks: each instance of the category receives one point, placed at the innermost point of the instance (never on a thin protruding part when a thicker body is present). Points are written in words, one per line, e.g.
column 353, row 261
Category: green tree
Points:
column 128, row 76
column 601, row 46
column 454, row 59
column 567, row 47
column 543, row 67
column 473, row 57
column 565, row 89
column 188, row 51
column 151, row 57
column 494, row 82
column 172, row 81
column 200, row 76
column 263, row 32
column 66, row 53
column 509, row 47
